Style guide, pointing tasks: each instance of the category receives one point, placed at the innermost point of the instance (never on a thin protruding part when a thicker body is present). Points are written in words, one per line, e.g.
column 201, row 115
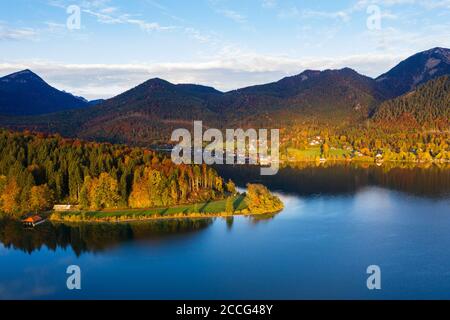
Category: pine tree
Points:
column 229, row 205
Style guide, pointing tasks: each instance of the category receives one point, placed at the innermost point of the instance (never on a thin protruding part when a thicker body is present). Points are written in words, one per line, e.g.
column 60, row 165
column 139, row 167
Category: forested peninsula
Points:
column 107, row 182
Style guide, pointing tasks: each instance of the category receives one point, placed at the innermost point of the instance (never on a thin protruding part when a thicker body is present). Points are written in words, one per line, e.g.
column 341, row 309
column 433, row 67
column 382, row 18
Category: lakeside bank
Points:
column 238, row 206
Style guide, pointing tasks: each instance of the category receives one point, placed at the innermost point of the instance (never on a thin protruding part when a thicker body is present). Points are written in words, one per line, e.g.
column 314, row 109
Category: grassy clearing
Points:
column 338, row 152
column 310, row 153
column 315, row 152
column 207, row 208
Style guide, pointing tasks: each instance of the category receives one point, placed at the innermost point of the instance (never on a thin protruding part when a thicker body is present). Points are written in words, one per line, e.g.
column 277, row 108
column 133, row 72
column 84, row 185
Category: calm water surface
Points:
column 337, row 222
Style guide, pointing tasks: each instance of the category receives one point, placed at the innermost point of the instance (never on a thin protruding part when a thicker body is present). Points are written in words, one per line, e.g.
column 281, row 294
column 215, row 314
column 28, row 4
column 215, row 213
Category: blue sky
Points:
column 223, row 43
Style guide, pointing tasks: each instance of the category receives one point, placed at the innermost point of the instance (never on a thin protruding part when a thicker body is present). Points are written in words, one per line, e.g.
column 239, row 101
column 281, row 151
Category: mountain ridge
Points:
column 416, row 70
column 26, row 93
column 152, row 110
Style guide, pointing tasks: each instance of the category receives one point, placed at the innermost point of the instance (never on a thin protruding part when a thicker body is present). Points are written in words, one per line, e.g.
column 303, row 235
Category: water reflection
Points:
column 336, row 222
column 304, row 181
column 92, row 237
column 338, row 179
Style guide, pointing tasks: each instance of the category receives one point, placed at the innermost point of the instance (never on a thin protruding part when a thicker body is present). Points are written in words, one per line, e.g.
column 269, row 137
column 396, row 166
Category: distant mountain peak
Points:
column 436, row 56
column 25, row 93
column 347, row 70
column 416, row 70
column 23, row 72
column 312, row 73
column 437, row 50
column 22, row 76
column 197, row 88
column 158, row 81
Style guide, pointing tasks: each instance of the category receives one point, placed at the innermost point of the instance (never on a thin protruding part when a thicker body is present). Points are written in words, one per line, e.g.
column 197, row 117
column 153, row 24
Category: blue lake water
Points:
column 318, row 248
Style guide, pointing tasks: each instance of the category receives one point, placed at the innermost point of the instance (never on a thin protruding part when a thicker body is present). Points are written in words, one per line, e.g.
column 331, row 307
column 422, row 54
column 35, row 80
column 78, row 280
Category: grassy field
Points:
column 310, row 153
column 207, row 208
column 314, row 153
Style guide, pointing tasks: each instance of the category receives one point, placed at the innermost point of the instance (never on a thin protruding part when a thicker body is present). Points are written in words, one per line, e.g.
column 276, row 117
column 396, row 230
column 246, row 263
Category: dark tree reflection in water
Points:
column 93, row 237
column 334, row 179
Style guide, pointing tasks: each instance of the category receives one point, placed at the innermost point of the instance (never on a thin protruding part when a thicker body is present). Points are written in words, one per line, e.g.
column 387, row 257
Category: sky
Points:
column 114, row 45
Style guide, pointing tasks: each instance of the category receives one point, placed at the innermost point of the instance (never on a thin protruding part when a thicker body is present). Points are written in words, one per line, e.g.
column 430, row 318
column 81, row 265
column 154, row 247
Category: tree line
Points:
column 39, row 170
column 369, row 142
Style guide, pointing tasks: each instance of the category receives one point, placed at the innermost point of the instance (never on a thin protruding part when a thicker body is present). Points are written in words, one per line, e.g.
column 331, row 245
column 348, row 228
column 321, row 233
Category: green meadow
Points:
column 206, row 208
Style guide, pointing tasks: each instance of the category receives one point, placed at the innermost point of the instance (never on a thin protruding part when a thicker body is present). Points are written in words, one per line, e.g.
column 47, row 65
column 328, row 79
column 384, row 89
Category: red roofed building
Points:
column 33, row 221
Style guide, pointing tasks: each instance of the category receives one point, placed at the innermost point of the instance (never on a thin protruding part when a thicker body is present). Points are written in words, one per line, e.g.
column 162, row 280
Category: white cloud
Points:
column 440, row 4
column 295, row 12
column 11, row 33
column 198, row 35
column 390, row 39
column 231, row 69
column 233, row 15
column 344, row 15
column 109, row 10
column 219, row 7
column 106, row 14
column 361, row 5
column 127, row 19
column 269, row 3
column 427, row 4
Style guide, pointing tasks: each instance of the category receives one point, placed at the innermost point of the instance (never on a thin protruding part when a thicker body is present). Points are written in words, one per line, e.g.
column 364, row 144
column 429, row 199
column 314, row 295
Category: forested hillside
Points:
column 37, row 171
column 331, row 99
column 150, row 112
column 428, row 105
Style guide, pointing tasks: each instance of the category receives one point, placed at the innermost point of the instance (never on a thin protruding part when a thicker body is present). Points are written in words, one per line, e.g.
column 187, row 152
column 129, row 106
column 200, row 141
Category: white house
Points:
column 63, row 207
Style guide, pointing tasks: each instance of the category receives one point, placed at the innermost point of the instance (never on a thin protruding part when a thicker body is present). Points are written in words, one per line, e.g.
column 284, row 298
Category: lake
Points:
column 338, row 220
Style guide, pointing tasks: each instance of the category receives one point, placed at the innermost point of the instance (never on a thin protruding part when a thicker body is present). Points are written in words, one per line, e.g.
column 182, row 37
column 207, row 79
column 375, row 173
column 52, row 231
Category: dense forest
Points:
column 38, row 171
column 429, row 106
column 370, row 143
column 413, row 127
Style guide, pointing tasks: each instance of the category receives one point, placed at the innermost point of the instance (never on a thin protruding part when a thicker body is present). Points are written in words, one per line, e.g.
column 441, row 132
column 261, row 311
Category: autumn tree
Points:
column 229, row 205
column 41, row 198
column 3, row 182
column 259, row 199
column 325, row 150
column 231, row 187
column 84, row 193
column 104, row 192
column 10, row 197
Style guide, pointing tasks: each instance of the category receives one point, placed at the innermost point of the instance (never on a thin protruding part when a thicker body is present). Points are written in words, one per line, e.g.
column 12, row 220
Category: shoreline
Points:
column 213, row 209
column 236, row 205
column 171, row 217
column 368, row 161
